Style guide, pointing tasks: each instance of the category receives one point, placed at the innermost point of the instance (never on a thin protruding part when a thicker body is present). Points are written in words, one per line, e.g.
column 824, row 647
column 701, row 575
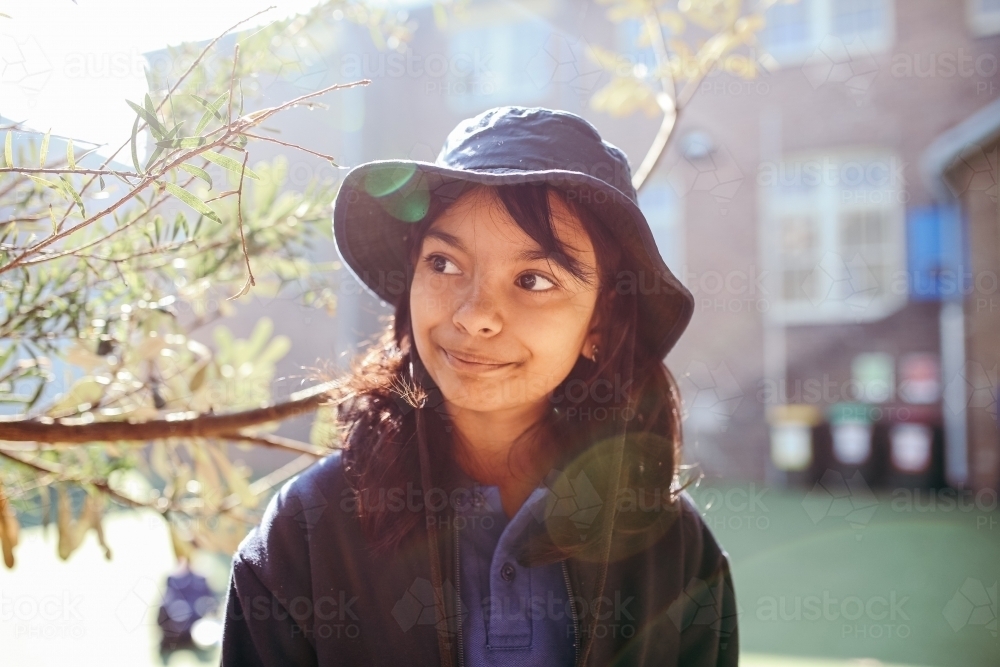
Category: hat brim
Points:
column 379, row 203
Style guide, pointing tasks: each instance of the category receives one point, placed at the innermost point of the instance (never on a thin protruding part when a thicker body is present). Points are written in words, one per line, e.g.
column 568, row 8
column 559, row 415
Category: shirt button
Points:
column 478, row 500
column 507, row 572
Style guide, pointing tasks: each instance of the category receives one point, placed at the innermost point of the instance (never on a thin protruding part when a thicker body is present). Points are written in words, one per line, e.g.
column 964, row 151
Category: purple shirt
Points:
column 517, row 616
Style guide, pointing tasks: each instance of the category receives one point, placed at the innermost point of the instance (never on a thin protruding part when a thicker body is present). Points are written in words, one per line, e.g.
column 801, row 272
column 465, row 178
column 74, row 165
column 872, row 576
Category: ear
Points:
column 592, row 341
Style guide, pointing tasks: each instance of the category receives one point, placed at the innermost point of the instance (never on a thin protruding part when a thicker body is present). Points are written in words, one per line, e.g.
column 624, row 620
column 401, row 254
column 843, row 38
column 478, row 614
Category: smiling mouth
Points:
column 468, row 362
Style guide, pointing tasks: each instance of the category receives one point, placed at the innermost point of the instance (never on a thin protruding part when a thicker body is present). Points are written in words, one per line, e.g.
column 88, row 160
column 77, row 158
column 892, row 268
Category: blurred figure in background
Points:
column 187, row 601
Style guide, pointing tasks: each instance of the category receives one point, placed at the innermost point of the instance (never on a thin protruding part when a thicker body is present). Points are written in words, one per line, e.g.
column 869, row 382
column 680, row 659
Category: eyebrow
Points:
column 529, row 255
column 445, row 237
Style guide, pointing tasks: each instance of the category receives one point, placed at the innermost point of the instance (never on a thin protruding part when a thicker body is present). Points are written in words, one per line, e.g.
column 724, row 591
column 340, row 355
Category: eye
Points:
column 534, row 282
column 441, row 264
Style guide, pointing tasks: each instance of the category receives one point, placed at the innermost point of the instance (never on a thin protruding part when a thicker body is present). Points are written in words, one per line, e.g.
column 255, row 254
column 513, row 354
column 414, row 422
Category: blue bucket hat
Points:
column 379, row 202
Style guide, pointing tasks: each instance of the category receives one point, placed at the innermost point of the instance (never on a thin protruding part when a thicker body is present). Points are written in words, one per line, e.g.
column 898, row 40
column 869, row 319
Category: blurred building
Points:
column 846, row 292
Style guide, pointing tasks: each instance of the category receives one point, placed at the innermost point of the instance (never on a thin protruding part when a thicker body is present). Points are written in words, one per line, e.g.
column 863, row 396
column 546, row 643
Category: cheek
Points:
column 556, row 337
column 428, row 302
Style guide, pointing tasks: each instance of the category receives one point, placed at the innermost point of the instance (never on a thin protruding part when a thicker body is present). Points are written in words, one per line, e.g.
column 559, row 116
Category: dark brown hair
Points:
column 395, row 404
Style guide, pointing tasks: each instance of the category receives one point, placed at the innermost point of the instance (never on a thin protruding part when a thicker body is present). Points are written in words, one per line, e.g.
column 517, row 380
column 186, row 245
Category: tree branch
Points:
column 235, row 128
column 177, row 425
column 679, row 102
column 78, row 170
column 63, row 476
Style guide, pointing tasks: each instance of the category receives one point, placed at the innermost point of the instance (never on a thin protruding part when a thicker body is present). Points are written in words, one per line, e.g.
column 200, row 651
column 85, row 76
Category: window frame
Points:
column 820, row 27
column 981, row 24
column 824, row 204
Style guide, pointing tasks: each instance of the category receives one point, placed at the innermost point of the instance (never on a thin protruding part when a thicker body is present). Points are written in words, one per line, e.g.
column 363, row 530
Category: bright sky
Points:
column 69, row 66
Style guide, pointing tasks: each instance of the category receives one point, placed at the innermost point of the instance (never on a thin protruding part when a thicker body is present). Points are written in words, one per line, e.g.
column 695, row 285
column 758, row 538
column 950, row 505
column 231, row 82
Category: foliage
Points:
column 689, row 39
column 110, row 274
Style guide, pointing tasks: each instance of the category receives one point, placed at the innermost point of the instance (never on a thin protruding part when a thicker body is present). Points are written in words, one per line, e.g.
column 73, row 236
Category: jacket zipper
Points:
column 573, row 614
column 458, row 604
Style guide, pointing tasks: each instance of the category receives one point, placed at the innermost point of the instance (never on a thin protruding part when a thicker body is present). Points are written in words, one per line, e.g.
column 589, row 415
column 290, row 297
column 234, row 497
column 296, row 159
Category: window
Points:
column 983, row 17
column 833, row 236
column 795, row 31
column 857, row 17
column 787, row 30
column 488, row 65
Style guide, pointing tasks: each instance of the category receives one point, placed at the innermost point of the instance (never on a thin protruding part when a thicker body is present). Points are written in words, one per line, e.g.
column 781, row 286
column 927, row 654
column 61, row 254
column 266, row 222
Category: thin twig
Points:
column 177, row 84
column 271, row 480
column 232, row 84
column 236, row 128
column 670, row 117
column 49, row 170
column 285, row 143
column 239, row 217
column 90, row 244
column 256, row 117
column 221, row 195
column 669, row 120
column 63, row 476
column 276, row 441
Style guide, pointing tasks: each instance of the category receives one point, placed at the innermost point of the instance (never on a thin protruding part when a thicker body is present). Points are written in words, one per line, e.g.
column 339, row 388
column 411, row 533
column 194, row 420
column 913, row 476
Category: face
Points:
column 497, row 325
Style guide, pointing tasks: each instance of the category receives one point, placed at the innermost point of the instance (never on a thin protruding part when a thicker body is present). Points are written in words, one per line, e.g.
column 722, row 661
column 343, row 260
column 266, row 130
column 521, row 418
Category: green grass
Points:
column 107, row 609
column 919, row 559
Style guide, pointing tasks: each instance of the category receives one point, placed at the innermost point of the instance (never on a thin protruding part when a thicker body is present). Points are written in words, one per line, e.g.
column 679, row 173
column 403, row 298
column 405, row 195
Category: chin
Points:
column 480, row 395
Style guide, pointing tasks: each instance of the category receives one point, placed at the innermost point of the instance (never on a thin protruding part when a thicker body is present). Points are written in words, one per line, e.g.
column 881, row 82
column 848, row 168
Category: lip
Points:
column 464, row 361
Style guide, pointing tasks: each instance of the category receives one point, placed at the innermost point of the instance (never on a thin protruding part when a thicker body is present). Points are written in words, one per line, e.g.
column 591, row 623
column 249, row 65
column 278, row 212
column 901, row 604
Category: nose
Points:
column 478, row 314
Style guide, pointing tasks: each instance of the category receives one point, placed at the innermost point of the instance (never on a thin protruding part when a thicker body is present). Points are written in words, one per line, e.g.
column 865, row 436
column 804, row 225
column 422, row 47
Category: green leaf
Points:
column 229, row 163
column 154, row 124
column 147, row 104
column 68, row 189
column 183, row 142
column 154, row 157
column 212, row 110
column 5, row 355
column 159, row 149
column 8, row 149
column 176, row 227
column 70, row 158
column 198, row 379
column 44, row 150
column 181, row 222
column 42, row 181
column 37, row 395
column 199, row 172
column 135, row 154
column 87, row 153
column 192, row 201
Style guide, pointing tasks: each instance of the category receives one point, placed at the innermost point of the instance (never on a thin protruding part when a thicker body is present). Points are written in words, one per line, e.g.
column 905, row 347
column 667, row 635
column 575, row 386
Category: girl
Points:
column 507, row 492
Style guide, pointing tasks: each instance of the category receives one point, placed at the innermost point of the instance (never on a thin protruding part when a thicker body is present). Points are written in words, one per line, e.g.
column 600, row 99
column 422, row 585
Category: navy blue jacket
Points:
column 306, row 590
